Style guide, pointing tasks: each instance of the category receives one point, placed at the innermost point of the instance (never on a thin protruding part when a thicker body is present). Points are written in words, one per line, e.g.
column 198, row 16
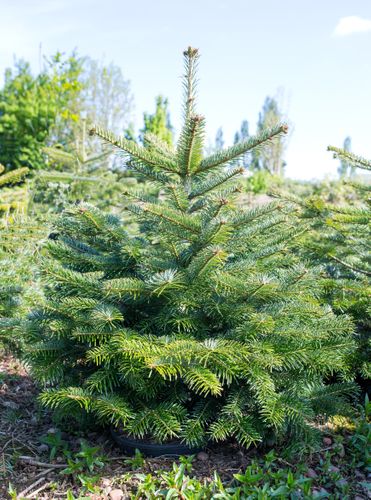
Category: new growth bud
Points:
column 191, row 52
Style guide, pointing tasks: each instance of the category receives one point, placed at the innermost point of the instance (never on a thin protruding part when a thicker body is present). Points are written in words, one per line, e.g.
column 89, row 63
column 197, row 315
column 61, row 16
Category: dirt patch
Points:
column 27, row 463
column 23, row 424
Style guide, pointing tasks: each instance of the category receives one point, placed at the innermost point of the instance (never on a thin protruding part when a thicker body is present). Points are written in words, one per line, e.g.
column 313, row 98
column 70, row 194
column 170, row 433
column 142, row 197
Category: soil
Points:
column 25, row 461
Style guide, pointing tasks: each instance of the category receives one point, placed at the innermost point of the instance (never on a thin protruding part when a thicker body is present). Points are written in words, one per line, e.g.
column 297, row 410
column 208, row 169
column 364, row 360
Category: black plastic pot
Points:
column 129, row 445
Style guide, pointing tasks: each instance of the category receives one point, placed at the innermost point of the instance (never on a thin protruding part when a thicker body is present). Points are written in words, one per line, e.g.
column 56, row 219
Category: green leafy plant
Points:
column 137, row 461
column 174, row 484
column 87, row 459
column 361, row 438
column 262, row 480
column 70, row 496
column 12, row 492
column 201, row 327
column 56, row 444
column 90, row 456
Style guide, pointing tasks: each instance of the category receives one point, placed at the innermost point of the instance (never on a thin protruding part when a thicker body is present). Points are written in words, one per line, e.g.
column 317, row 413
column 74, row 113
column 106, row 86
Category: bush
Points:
column 202, row 326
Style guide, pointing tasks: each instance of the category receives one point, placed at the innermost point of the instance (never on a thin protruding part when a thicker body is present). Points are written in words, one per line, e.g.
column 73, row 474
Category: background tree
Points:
column 74, row 174
column 107, row 98
column 219, row 139
column 30, row 106
column 271, row 158
column 47, row 109
column 13, row 195
column 65, row 74
column 159, row 122
column 242, row 135
column 345, row 169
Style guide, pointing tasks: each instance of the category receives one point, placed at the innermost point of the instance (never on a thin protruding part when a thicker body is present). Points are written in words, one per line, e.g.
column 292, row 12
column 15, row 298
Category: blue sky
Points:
column 317, row 52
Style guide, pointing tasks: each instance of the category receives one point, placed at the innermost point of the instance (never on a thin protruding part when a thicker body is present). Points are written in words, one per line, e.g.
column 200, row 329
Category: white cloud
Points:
column 352, row 24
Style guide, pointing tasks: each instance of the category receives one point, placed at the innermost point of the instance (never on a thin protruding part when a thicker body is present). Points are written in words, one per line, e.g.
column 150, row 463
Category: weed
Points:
column 137, row 461
column 56, row 444
column 361, row 439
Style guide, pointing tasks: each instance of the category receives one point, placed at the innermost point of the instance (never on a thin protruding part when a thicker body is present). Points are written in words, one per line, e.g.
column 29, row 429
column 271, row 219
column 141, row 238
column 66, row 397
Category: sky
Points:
column 315, row 54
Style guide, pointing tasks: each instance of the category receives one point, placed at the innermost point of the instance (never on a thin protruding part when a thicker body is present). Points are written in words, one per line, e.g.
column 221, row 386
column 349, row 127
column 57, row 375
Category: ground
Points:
column 65, row 468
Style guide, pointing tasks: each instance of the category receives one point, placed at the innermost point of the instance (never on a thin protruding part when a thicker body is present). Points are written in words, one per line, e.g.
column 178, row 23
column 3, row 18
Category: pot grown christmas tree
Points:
column 201, row 327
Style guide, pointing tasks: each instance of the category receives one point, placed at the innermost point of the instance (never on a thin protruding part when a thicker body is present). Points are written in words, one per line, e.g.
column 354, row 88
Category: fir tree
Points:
column 346, row 247
column 9, row 202
column 351, row 223
column 339, row 240
column 202, row 326
column 14, row 271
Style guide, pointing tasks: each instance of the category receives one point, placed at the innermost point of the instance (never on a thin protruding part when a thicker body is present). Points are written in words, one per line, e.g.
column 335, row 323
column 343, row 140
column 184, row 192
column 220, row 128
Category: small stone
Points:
column 312, row 473
column 43, row 448
column 52, row 430
column 202, row 456
column 321, row 493
column 270, row 442
column 340, row 450
column 359, row 475
column 334, row 469
column 59, row 460
column 327, row 441
column 11, row 404
column 116, row 494
column 357, row 497
column 105, row 481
